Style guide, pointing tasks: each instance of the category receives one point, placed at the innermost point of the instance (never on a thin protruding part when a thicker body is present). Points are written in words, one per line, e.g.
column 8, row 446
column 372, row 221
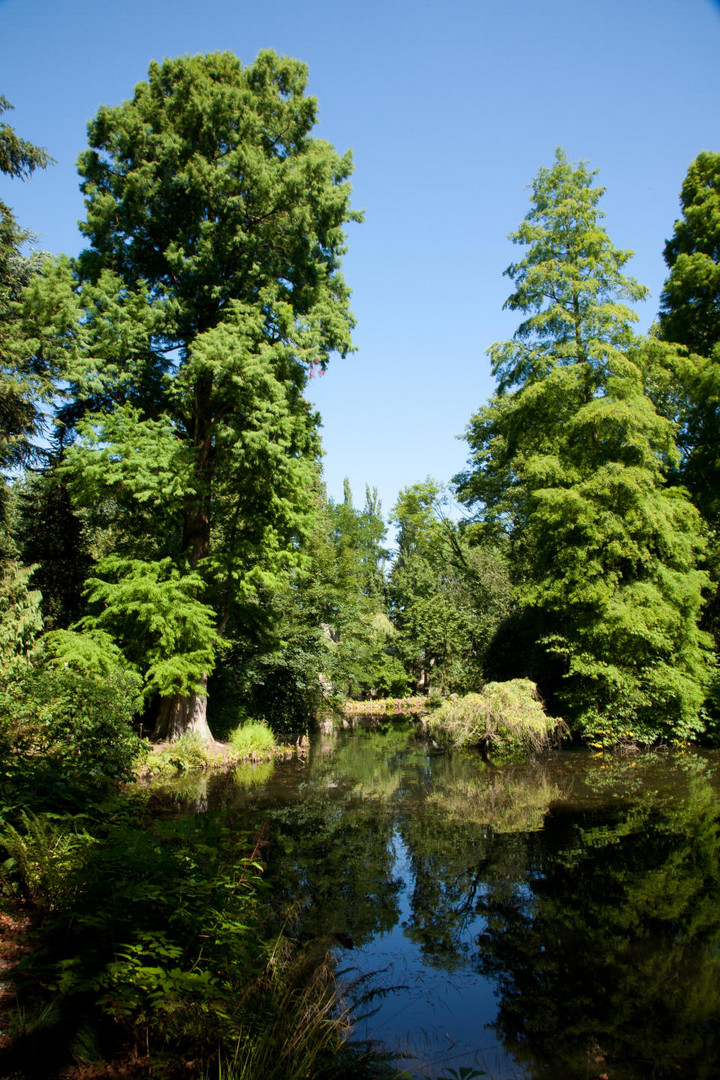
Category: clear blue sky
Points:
column 450, row 109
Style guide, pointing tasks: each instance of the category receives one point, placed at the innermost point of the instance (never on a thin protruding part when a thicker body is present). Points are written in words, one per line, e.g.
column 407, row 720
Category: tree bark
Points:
column 187, row 714
column 184, row 715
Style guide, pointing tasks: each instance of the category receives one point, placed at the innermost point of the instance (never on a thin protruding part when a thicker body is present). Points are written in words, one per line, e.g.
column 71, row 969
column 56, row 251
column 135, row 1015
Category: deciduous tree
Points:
column 209, row 289
column 569, row 458
column 447, row 597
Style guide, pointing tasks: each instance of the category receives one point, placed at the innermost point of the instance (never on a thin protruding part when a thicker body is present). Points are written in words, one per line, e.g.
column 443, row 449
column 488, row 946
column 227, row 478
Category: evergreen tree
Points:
column 690, row 316
column 690, row 384
column 185, row 332
column 22, row 380
column 23, row 384
column 689, row 306
column 569, row 458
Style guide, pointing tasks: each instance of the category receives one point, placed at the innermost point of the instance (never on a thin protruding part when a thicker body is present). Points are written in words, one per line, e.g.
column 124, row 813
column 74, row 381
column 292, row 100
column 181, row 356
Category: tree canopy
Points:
column 184, row 334
column 569, row 459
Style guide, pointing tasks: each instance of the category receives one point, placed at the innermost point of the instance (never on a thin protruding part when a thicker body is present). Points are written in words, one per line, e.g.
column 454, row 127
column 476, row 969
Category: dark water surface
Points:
column 555, row 920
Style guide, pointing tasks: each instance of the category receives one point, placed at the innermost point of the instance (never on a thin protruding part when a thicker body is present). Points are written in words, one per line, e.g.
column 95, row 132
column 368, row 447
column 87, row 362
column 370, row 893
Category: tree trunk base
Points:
column 180, row 716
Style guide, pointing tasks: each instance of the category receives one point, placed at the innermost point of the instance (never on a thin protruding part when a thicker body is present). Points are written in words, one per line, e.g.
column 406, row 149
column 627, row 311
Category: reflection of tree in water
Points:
column 599, row 922
column 331, row 855
column 472, row 835
column 613, row 966
column 334, row 868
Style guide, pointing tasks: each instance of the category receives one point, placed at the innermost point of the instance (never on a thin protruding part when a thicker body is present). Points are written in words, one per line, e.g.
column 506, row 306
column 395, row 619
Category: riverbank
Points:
column 167, row 759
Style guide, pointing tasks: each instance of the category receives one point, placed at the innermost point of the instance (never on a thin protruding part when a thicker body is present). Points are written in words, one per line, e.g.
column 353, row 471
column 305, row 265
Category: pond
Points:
column 559, row 919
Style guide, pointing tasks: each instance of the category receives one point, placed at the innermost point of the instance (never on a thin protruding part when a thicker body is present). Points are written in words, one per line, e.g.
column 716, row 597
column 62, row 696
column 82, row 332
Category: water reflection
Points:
column 610, row 962
column 559, row 920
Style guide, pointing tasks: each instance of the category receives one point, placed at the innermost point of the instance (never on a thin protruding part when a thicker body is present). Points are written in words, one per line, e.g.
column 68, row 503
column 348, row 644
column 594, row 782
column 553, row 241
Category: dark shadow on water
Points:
column 558, row 919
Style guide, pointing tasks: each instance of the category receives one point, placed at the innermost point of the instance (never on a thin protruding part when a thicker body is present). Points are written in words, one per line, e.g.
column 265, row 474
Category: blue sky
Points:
column 450, row 109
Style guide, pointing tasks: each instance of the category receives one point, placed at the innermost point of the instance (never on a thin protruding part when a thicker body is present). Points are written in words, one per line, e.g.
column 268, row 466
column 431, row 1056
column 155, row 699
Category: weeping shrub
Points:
column 507, row 718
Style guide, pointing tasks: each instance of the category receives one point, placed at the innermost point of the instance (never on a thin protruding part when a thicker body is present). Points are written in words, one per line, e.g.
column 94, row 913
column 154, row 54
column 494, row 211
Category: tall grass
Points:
column 302, row 1023
column 252, row 737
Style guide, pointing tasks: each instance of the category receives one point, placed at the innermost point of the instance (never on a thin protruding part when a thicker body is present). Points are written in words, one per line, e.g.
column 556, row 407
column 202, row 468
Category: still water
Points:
column 558, row 920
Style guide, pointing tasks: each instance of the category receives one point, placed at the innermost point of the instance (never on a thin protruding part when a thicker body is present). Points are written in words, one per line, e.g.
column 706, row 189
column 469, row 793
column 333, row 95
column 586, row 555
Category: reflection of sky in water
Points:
column 438, row 1018
column 564, row 856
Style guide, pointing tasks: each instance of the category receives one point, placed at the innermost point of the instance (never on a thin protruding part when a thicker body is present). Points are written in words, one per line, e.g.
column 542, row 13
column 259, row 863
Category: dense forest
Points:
column 170, row 563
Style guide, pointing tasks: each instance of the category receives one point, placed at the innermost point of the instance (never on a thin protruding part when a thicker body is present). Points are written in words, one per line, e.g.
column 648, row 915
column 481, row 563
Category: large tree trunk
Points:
column 180, row 715
column 187, row 715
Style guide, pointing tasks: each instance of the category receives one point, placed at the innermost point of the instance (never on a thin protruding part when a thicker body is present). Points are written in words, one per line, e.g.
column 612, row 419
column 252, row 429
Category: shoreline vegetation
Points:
column 188, row 754
column 168, row 552
column 504, row 718
column 158, row 933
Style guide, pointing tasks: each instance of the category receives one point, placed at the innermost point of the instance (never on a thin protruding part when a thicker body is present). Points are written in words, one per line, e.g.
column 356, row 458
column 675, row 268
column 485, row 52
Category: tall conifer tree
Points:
column 22, row 382
column 569, row 456
column 690, row 316
column 209, row 289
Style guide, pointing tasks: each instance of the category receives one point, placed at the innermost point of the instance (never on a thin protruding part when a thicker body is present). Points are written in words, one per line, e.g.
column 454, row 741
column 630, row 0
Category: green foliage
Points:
column 92, row 653
column 689, row 316
column 569, row 459
column 46, row 854
column 689, row 301
column 75, row 720
column 252, row 737
column 153, row 610
column 276, row 677
column 184, row 336
column 347, row 595
column 18, row 157
column 154, row 932
column 23, row 381
column 324, row 636
column 447, row 597
column 306, row 1029
column 56, row 540
column 20, row 617
column 504, row 719
column 188, row 754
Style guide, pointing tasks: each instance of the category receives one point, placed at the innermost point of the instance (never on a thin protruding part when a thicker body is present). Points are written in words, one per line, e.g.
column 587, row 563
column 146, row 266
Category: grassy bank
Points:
column 252, row 741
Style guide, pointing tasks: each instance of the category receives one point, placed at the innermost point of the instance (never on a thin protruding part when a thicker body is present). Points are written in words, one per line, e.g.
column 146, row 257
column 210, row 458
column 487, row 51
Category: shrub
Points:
column 506, row 718
column 252, row 737
column 79, row 723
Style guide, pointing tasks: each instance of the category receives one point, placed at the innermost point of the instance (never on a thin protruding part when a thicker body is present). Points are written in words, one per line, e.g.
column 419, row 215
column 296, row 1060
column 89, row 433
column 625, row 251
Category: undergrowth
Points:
column 154, row 937
column 252, row 737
